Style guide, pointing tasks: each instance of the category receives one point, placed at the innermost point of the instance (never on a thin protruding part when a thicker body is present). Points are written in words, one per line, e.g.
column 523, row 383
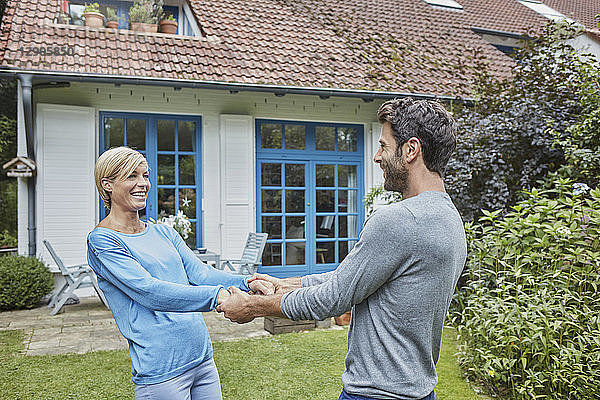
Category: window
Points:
column 75, row 10
column 444, row 3
column 309, row 192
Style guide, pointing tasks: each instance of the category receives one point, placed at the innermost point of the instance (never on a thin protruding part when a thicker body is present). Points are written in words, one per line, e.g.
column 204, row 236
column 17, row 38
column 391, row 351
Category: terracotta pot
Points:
column 343, row 319
column 94, row 19
column 168, row 26
column 142, row 27
column 112, row 24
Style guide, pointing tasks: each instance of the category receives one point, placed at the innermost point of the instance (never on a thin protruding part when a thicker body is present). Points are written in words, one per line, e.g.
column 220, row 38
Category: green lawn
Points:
column 291, row 366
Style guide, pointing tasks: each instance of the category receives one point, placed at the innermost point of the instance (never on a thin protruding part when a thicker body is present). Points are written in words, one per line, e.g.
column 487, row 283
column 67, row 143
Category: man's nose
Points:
column 377, row 157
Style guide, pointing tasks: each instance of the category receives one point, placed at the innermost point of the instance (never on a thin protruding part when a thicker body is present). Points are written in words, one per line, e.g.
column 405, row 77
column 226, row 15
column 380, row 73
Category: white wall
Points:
column 586, row 44
column 227, row 134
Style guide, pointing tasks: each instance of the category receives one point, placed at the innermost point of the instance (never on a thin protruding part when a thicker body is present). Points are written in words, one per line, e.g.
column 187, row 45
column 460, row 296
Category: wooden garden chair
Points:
column 251, row 256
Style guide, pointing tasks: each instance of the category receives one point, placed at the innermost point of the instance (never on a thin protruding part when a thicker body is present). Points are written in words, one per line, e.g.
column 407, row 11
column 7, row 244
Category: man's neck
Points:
column 423, row 181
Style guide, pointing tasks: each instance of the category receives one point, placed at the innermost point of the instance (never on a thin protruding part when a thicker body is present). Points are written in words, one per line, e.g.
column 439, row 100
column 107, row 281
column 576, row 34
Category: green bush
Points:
column 529, row 317
column 23, row 282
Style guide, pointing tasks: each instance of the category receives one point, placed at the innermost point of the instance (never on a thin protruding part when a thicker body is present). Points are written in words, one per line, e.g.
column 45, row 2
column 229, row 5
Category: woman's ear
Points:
column 106, row 184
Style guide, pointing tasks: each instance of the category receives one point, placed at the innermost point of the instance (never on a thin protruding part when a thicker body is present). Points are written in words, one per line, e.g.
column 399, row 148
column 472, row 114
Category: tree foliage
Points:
column 506, row 141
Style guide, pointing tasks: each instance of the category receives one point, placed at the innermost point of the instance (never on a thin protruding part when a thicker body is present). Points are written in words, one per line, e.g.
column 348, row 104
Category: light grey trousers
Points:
column 199, row 383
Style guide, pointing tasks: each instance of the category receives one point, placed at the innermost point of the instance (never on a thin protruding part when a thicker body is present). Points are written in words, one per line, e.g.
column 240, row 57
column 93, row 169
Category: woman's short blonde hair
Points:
column 116, row 163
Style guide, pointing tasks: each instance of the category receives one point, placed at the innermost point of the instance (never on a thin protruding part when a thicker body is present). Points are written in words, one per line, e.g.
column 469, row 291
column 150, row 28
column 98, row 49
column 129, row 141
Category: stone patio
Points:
column 89, row 326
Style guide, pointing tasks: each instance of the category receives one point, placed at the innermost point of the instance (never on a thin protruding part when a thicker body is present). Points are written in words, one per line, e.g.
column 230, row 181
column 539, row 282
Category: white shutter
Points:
column 237, row 183
column 65, row 185
column 376, row 172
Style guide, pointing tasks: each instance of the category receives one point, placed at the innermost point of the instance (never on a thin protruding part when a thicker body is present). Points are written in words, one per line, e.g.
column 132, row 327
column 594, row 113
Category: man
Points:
column 400, row 276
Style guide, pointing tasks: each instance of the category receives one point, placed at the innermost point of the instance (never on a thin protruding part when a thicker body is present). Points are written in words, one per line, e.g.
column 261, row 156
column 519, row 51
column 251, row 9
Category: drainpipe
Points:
column 26, row 87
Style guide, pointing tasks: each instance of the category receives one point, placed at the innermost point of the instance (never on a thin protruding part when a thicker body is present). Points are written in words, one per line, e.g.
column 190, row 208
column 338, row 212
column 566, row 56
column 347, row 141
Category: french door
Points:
column 171, row 144
column 308, row 201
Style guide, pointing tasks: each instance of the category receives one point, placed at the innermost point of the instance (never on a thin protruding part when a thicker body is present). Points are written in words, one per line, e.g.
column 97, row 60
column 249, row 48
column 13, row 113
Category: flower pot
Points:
column 112, row 24
column 168, row 26
column 142, row 27
column 93, row 19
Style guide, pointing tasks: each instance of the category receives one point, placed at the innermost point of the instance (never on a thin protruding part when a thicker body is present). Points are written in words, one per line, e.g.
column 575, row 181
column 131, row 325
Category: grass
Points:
column 290, row 366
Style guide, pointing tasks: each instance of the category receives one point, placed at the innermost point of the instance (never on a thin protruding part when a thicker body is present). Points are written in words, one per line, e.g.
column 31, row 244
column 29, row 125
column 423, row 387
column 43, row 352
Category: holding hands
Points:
column 242, row 307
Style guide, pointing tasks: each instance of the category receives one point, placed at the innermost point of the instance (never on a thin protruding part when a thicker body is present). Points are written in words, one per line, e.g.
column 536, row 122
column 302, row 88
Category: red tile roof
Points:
column 386, row 45
column 583, row 11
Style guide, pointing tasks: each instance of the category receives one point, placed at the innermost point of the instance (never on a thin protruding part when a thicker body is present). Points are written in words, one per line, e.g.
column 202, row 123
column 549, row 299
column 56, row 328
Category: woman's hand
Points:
column 262, row 287
column 280, row 285
column 223, row 295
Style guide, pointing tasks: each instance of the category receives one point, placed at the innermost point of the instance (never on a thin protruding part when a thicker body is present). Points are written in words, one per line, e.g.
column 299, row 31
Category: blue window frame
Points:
column 309, row 194
column 122, row 8
column 171, row 145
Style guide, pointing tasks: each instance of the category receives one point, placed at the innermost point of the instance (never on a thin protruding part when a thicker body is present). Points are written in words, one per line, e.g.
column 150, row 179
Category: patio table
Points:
column 209, row 257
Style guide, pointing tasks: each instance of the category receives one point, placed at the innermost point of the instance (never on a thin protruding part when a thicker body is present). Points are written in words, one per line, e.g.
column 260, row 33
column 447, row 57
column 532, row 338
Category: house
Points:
column 256, row 116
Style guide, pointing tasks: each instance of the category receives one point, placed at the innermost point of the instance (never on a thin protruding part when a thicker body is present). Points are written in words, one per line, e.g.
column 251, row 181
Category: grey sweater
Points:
column 398, row 280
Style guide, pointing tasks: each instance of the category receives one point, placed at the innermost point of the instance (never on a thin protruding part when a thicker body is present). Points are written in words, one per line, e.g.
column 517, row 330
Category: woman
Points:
column 155, row 287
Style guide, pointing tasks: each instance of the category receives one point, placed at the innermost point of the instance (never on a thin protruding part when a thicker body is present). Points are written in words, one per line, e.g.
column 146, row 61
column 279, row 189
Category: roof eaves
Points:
column 280, row 90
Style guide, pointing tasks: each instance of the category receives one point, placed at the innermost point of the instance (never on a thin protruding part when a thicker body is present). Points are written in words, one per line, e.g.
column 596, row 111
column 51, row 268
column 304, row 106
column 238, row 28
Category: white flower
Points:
column 179, row 222
column 580, row 188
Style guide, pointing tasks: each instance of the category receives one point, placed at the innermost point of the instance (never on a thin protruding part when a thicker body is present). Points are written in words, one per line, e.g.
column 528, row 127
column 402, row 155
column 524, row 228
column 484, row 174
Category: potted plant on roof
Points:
column 145, row 14
column 112, row 19
column 92, row 15
column 168, row 24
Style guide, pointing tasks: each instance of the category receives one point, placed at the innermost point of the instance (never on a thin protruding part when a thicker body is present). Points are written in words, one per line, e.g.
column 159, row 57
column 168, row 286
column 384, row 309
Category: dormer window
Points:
column 179, row 9
column 444, row 4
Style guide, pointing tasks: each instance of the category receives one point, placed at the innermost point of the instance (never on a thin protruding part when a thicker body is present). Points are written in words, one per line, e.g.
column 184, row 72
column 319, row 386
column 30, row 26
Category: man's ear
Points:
column 412, row 149
column 106, row 184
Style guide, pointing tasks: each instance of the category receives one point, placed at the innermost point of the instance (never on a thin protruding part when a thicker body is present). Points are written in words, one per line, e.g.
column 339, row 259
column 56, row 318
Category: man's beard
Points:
column 396, row 175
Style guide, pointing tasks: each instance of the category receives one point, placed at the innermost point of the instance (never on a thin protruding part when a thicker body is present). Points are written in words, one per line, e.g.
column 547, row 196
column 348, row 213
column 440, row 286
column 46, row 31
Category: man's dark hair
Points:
column 429, row 122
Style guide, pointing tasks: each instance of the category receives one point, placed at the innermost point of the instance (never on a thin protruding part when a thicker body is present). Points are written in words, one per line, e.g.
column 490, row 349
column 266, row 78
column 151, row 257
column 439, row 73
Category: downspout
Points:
column 26, row 87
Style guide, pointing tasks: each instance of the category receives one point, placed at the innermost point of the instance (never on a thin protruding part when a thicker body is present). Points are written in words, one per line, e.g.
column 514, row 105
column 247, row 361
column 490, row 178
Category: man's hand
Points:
column 281, row 285
column 263, row 287
column 238, row 307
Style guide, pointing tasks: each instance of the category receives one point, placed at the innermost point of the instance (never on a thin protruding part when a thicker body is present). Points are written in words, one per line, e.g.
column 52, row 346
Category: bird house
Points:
column 20, row 167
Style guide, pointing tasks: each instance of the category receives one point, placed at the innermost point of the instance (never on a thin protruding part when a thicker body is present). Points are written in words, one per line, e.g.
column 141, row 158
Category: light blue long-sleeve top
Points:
column 157, row 290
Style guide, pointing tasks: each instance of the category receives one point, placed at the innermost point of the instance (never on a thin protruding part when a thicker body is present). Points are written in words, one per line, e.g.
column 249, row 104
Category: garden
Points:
column 526, row 315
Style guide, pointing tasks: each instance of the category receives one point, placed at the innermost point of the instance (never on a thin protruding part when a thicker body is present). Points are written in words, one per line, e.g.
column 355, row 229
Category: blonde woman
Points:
column 156, row 287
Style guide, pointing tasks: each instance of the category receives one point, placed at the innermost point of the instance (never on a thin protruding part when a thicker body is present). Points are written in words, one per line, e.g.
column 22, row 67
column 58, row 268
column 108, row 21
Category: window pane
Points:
column 348, row 226
column 113, row 132
column 345, row 248
column 136, row 134
column 270, row 174
column 325, row 138
column 325, row 226
column 347, row 138
column 294, row 175
column 294, row 137
column 270, row 136
column 347, row 201
column 272, row 226
column 76, row 12
column 271, row 200
column 187, row 202
column 325, row 200
column 166, row 169
column 325, row 252
column 294, row 253
column 166, row 202
column 347, row 175
column 272, row 254
column 186, row 135
column 294, row 201
column 325, row 175
column 166, row 135
column 294, row 227
column 187, row 169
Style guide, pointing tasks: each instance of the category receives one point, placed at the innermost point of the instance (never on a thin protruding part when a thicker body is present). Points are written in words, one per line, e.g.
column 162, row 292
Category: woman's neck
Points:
column 123, row 221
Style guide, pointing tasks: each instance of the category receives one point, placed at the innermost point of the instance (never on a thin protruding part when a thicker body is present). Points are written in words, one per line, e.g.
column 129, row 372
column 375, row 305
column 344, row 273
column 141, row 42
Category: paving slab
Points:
column 89, row 326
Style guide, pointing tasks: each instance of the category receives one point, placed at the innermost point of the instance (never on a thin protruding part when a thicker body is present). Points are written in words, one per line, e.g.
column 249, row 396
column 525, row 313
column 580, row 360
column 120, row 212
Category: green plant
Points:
column 111, row 15
column 92, row 7
column 7, row 240
column 146, row 11
column 378, row 195
column 23, row 282
column 529, row 316
column 168, row 17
